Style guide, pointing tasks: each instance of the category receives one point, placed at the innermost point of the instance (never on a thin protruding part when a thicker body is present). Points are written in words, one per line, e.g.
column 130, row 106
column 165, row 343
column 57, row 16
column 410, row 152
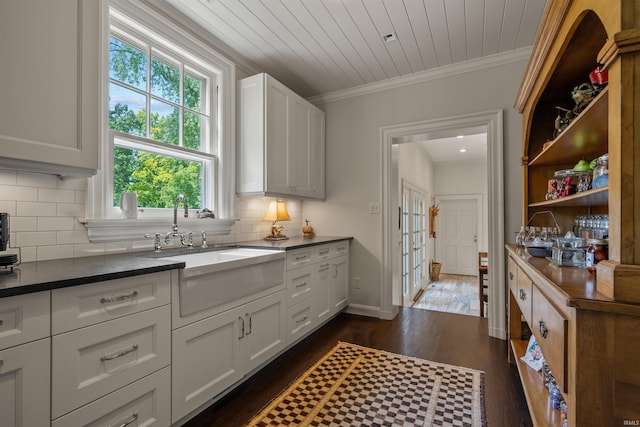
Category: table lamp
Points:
column 277, row 212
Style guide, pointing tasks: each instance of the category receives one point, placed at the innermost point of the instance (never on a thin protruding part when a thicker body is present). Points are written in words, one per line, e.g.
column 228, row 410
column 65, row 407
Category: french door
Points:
column 414, row 241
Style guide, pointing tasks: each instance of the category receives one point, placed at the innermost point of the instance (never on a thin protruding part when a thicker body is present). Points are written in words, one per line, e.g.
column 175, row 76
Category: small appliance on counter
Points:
column 8, row 260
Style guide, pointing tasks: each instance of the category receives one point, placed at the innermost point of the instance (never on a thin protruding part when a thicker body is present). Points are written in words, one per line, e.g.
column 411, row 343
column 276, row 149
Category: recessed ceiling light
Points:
column 460, row 136
column 463, row 150
column 389, row 37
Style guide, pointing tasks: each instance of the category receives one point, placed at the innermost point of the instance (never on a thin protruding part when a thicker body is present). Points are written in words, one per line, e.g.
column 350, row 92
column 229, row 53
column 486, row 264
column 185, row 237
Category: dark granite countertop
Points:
column 60, row 273
column 292, row 243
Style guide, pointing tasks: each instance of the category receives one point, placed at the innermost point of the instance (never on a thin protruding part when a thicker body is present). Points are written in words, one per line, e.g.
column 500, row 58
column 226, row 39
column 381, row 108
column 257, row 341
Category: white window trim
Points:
column 100, row 227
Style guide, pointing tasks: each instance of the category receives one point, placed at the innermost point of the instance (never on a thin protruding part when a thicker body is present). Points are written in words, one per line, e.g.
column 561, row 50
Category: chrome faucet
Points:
column 175, row 210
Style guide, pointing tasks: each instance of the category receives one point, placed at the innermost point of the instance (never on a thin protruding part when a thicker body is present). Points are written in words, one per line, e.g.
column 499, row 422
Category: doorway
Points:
column 459, row 228
column 390, row 286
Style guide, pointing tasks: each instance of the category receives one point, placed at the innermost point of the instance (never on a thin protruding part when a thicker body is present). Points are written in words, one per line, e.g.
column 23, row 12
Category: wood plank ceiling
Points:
column 321, row 46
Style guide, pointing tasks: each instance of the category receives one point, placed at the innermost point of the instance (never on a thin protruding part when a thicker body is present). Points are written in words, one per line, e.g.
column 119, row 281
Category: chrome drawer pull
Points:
column 241, row 328
column 543, row 329
column 250, row 324
column 300, row 258
column 119, row 354
column 301, row 285
column 304, row 319
column 523, row 294
column 324, row 252
column 1, row 322
column 341, row 249
column 118, row 297
column 133, row 418
column 325, row 265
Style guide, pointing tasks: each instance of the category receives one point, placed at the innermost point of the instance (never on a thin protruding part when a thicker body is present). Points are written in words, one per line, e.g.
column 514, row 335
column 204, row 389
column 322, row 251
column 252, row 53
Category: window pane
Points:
column 127, row 110
column 193, row 92
column 165, row 122
column 165, row 81
column 155, row 178
column 194, row 125
column 127, row 64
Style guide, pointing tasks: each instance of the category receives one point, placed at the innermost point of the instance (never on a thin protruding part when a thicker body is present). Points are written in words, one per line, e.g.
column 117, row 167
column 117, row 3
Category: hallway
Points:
column 451, row 294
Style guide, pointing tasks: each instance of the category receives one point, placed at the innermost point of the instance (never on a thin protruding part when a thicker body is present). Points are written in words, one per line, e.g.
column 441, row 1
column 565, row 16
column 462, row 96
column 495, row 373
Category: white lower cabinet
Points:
column 142, row 403
column 94, row 361
column 214, row 353
column 24, row 385
column 339, row 283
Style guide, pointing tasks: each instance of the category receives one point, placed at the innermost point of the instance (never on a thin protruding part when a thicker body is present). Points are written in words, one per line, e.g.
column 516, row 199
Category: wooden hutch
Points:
column 588, row 327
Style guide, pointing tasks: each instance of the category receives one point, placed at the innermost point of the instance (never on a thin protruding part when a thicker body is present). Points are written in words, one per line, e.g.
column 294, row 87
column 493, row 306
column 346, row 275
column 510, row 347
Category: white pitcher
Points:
column 129, row 205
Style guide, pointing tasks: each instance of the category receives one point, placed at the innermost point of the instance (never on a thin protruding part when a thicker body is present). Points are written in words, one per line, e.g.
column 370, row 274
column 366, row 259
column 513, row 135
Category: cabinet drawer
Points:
column 512, row 274
column 90, row 362
column 300, row 257
column 550, row 330
column 299, row 285
column 340, row 248
column 86, row 305
column 299, row 321
column 24, row 318
column 323, row 252
column 522, row 294
column 143, row 403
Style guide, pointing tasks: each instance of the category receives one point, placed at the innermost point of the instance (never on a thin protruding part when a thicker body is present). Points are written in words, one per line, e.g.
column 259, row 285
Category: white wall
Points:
column 468, row 177
column 354, row 156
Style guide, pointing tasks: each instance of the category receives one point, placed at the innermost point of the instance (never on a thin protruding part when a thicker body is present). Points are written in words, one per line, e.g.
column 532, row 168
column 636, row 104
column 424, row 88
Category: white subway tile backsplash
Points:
column 45, row 211
column 55, row 223
column 28, row 179
column 17, row 193
column 72, row 237
column 8, row 177
column 70, row 209
column 35, row 209
column 35, row 238
column 54, row 252
column 55, row 195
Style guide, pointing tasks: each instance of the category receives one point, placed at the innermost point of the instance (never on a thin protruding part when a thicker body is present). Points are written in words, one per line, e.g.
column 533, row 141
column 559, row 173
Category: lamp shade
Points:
column 277, row 212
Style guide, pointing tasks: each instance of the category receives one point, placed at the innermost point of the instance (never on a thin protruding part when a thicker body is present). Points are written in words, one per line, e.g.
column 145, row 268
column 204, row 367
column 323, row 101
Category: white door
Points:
column 457, row 235
column 414, row 242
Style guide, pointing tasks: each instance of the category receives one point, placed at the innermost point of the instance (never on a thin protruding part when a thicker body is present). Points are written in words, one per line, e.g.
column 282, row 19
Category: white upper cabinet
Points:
column 50, row 85
column 281, row 141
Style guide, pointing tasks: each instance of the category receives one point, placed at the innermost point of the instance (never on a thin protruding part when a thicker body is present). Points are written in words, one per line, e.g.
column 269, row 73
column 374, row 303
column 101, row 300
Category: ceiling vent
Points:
column 391, row 37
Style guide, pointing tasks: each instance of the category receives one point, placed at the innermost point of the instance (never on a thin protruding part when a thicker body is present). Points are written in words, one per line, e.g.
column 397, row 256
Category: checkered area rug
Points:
column 360, row 386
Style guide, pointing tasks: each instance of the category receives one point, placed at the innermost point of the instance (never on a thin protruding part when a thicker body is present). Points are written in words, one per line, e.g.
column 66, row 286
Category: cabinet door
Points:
column 339, row 284
column 321, row 282
column 301, row 148
column 24, row 318
column 265, row 329
column 278, row 137
column 49, row 83
column 24, row 385
column 206, row 360
column 317, row 168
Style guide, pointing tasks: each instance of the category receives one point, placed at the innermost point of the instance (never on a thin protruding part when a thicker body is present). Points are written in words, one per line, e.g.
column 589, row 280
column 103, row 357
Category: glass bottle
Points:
column 520, row 236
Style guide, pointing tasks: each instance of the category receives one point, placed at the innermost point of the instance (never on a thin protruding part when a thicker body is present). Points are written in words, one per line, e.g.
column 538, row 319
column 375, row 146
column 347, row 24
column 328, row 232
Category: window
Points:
column 164, row 102
column 169, row 119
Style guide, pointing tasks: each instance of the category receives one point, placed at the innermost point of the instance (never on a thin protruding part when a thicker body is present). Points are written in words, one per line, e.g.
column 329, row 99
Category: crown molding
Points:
column 490, row 61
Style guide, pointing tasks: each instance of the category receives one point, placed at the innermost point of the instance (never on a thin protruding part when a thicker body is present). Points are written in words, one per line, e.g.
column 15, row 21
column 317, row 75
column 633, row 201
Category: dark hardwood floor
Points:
column 441, row 337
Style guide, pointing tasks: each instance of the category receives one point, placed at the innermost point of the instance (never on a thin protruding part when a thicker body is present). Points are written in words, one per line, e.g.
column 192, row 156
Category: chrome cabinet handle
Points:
column 304, row 319
column 543, row 329
column 250, row 324
column 323, row 266
column 133, row 418
column 510, row 275
column 300, row 258
column 241, row 328
column 523, row 294
column 326, row 251
column 107, row 300
column 301, row 285
column 1, row 322
column 119, row 353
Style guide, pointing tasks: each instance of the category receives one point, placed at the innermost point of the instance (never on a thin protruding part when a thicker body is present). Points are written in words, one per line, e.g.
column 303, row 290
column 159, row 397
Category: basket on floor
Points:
column 435, row 271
